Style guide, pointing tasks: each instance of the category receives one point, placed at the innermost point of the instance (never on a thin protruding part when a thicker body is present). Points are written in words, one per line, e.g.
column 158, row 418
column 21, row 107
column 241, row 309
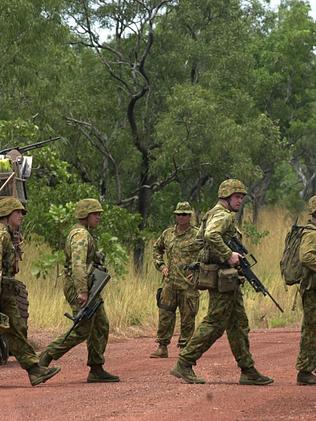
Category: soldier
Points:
column 11, row 216
column 226, row 309
column 180, row 246
column 81, row 254
column 306, row 361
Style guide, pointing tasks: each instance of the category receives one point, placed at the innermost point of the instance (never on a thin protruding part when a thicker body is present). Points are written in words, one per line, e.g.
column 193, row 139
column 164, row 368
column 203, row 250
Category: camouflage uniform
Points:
column 81, row 257
column 18, row 344
column 180, row 248
column 226, row 310
column 11, row 321
column 306, row 361
column 80, row 252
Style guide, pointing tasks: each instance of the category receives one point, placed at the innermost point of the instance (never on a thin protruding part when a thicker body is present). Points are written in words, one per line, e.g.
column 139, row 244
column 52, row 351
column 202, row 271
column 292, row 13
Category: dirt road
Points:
column 148, row 392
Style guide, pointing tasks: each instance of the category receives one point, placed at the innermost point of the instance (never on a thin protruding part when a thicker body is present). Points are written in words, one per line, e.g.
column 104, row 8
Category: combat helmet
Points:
column 229, row 187
column 183, row 207
column 86, row 206
column 312, row 205
column 4, row 323
column 8, row 204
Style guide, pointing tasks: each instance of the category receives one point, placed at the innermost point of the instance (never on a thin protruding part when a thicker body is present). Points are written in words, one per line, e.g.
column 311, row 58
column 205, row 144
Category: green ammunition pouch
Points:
column 207, row 277
column 228, row 280
column 162, row 305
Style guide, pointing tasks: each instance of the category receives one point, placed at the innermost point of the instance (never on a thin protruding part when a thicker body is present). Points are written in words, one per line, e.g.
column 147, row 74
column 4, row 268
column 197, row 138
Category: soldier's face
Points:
column 94, row 218
column 15, row 219
column 183, row 218
column 235, row 201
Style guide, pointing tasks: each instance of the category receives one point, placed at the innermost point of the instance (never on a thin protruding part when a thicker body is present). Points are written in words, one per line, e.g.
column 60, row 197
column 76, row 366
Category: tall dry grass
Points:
column 130, row 300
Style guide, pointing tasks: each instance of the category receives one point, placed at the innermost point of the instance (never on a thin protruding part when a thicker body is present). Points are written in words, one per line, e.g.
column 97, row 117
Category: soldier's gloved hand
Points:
column 82, row 298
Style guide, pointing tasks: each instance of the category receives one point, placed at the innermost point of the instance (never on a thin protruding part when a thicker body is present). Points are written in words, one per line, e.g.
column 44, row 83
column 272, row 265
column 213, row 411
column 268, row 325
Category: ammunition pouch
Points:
column 208, row 276
column 228, row 280
column 164, row 306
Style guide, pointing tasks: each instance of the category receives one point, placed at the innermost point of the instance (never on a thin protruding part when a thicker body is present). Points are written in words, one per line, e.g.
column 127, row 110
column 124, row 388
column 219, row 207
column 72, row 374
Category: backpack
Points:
column 290, row 265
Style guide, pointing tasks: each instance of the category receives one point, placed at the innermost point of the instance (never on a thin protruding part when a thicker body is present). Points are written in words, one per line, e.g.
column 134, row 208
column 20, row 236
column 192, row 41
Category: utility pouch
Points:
column 207, row 278
column 228, row 280
column 165, row 302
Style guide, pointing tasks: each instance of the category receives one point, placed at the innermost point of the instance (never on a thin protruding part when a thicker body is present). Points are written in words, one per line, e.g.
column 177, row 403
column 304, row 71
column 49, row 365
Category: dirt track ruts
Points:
column 148, row 392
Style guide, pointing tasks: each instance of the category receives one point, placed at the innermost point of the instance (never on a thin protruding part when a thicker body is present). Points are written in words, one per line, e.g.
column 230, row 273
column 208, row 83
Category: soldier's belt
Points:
column 213, row 276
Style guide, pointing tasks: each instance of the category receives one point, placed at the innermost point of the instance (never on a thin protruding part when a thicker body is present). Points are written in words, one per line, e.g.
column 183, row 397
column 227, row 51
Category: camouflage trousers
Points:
column 306, row 360
column 188, row 303
column 19, row 346
column 226, row 312
column 95, row 331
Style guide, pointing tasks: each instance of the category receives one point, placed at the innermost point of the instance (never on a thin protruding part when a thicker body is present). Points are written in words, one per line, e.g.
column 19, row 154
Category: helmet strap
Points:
column 225, row 202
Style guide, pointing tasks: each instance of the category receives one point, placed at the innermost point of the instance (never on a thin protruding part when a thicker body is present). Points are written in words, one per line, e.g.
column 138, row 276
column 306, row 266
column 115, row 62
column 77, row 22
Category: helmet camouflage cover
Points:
column 231, row 186
column 312, row 205
column 4, row 323
column 8, row 204
column 86, row 206
column 183, row 207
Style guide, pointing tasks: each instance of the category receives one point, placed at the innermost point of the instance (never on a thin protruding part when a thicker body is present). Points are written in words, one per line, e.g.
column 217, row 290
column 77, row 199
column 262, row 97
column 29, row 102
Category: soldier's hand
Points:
column 234, row 259
column 190, row 276
column 82, row 298
column 165, row 272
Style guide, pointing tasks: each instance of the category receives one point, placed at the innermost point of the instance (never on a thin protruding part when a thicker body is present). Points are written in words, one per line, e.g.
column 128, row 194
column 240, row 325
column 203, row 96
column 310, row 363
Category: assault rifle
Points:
column 27, row 148
column 235, row 245
column 100, row 279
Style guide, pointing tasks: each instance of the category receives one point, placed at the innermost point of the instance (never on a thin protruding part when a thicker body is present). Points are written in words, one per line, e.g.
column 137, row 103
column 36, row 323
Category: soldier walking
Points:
column 178, row 244
column 306, row 361
column 226, row 309
column 11, row 216
column 81, row 254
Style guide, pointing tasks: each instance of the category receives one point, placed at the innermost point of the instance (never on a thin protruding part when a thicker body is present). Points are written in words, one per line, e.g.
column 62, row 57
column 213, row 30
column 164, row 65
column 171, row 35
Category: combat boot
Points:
column 184, row 371
column 251, row 376
column 38, row 374
column 98, row 375
column 161, row 352
column 306, row 378
column 45, row 359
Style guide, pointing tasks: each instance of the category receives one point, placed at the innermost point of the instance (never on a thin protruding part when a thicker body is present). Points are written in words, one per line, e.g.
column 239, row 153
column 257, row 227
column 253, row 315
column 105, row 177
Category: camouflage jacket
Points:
column 307, row 254
column 7, row 252
column 179, row 249
column 81, row 254
column 218, row 226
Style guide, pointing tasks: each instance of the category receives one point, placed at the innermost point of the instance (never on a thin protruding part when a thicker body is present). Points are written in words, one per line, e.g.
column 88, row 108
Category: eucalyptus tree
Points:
column 284, row 88
column 131, row 27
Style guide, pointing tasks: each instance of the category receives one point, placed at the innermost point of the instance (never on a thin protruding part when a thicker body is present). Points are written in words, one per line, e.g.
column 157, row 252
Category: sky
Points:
column 275, row 3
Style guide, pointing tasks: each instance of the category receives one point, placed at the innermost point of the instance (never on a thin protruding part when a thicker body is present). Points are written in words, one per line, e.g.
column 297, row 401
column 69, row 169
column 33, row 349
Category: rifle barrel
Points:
column 27, row 148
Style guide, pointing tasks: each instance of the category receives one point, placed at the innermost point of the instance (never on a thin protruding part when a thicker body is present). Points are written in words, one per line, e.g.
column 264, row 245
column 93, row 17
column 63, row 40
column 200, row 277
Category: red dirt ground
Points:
column 148, row 392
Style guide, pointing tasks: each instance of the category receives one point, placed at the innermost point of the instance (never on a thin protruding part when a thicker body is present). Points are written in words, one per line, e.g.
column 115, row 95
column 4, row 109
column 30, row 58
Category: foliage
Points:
column 251, row 232
column 175, row 97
